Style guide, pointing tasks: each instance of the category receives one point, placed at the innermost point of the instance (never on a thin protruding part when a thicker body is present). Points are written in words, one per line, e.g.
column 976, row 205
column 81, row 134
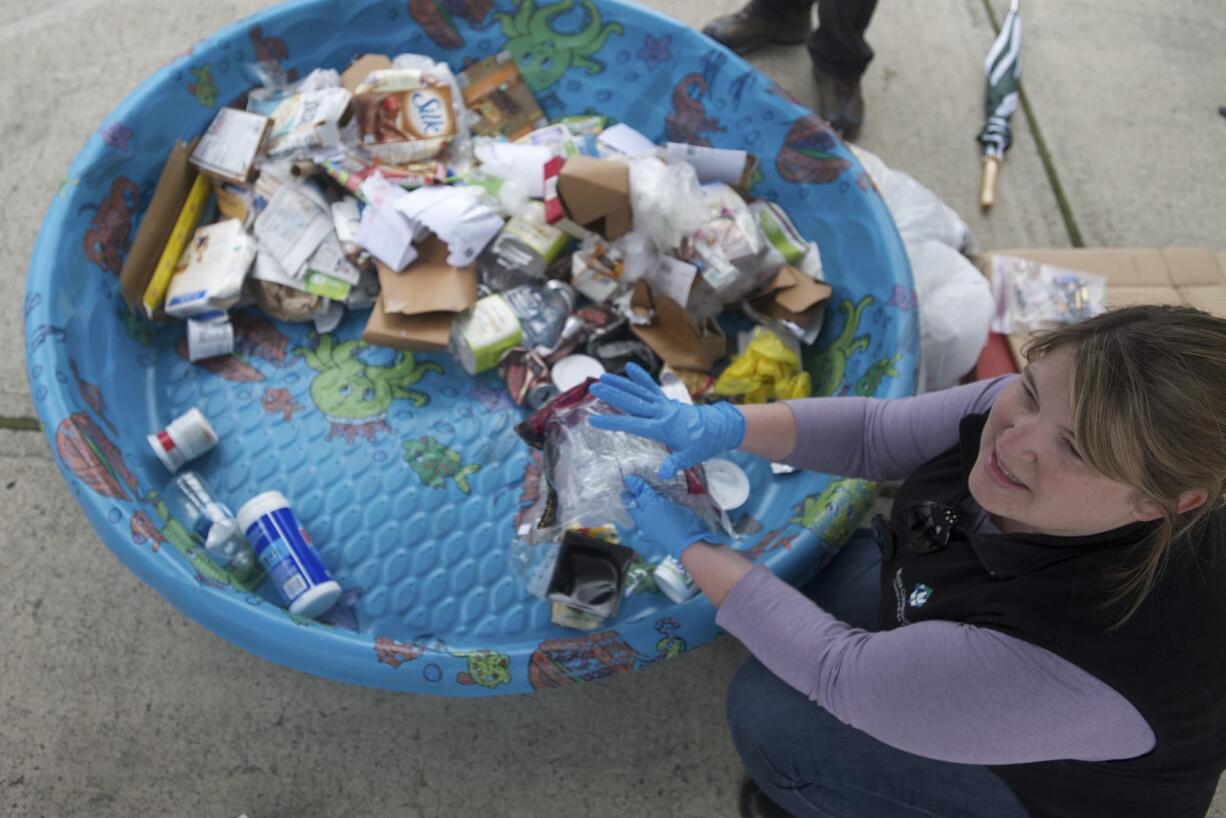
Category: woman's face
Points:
column 1030, row 475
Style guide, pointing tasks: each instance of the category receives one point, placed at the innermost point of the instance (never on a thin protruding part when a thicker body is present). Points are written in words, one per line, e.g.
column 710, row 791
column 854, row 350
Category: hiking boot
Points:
column 840, row 103
column 753, row 803
column 752, row 27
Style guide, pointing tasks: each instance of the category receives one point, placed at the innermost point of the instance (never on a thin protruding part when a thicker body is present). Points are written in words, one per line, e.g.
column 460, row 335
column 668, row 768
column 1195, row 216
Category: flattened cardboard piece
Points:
column 673, row 335
column 173, row 185
column 360, row 67
column 790, row 295
column 595, row 193
column 429, row 284
column 420, row 333
column 1135, row 275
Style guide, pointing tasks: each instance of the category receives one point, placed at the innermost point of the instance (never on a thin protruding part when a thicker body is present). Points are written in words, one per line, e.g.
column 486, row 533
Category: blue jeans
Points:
column 811, row 764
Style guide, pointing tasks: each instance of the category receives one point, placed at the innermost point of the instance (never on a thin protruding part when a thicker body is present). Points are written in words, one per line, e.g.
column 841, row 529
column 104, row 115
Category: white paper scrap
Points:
column 388, row 236
column 508, row 160
column 623, row 139
column 456, row 217
column 291, row 227
column 711, row 164
column 673, row 278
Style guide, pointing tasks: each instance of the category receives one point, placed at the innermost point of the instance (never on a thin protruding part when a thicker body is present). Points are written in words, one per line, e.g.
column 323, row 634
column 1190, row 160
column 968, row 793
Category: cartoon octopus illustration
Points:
column 355, row 396
column 543, row 53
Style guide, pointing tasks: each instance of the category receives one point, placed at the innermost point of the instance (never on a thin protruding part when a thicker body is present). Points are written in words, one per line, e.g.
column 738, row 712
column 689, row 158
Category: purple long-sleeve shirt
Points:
column 939, row 689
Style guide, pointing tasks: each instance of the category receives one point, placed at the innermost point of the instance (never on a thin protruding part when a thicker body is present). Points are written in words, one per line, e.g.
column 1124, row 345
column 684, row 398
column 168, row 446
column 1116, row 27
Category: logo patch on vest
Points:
column 919, row 595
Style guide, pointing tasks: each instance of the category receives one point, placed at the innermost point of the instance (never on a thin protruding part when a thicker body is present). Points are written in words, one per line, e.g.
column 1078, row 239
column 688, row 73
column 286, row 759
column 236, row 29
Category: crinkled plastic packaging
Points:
column 766, row 370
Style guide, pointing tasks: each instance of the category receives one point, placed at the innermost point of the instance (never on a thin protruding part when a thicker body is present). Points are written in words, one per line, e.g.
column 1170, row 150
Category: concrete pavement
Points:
column 114, row 704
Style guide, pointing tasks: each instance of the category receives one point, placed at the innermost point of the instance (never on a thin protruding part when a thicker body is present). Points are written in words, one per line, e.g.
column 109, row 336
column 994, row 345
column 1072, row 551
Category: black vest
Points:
column 1168, row 660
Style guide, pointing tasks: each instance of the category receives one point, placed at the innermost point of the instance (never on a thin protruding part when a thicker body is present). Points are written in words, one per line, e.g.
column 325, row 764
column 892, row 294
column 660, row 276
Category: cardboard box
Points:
column 673, row 335
column 1150, row 275
column 595, row 193
column 353, row 76
column 418, row 333
column 230, row 144
column 791, row 296
column 494, row 89
column 173, row 185
column 429, row 284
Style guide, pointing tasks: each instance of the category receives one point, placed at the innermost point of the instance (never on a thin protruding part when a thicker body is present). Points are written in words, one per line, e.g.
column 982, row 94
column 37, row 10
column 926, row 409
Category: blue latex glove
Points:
column 694, row 433
column 664, row 523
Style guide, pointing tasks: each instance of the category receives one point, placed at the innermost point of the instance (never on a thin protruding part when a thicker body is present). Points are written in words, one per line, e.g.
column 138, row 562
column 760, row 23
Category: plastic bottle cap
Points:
column 316, row 600
column 221, row 534
column 573, row 370
column 258, row 506
column 727, row 482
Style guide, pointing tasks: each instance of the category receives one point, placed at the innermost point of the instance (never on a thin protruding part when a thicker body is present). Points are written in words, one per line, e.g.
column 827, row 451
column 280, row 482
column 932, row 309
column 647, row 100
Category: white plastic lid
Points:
column 171, row 462
column 574, row 370
column 258, row 506
column 316, row 600
column 727, row 482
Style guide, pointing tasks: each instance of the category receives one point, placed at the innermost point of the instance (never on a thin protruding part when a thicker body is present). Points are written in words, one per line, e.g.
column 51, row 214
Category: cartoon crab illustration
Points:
column 355, row 396
column 543, row 53
column 434, row 463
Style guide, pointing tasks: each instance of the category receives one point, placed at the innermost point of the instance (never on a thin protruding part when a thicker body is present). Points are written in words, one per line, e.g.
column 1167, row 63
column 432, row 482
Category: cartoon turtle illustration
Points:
column 434, row 463
column 204, row 89
column 355, row 396
column 543, row 53
column 487, row 668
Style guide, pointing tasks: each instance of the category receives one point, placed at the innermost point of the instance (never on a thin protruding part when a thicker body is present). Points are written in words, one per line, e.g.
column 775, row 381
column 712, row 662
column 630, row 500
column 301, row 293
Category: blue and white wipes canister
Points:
column 284, row 549
column 674, row 580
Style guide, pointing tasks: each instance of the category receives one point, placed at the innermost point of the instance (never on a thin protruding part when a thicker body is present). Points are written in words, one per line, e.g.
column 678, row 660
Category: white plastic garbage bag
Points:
column 956, row 306
column 955, row 300
column 918, row 212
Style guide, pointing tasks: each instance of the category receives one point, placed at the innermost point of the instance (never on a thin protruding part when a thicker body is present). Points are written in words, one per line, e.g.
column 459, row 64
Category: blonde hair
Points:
column 1149, row 391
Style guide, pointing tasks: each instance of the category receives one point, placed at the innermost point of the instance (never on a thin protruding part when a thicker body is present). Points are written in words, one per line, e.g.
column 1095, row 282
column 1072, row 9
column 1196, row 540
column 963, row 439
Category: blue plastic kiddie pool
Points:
column 411, row 497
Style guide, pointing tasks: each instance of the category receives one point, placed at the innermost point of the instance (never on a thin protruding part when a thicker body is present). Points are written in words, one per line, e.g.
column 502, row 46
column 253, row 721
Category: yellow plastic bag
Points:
column 766, row 370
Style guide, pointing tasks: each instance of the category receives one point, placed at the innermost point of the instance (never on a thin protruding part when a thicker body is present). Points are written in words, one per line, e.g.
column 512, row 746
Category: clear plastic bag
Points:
column 1043, row 296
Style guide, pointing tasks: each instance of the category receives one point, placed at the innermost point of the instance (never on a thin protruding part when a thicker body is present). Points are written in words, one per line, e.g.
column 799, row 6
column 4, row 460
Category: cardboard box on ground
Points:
column 1135, row 275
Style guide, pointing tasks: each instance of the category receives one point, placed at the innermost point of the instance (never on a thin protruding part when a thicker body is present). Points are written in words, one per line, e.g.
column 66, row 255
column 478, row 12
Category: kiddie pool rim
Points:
column 259, row 628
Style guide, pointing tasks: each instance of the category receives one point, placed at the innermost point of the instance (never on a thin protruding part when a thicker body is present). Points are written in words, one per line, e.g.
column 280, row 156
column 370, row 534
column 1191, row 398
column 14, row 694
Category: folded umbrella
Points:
column 1004, row 74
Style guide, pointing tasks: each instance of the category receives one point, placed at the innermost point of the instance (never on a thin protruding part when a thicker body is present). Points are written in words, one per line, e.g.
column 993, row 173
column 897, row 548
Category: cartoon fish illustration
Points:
column 143, row 529
column 279, row 399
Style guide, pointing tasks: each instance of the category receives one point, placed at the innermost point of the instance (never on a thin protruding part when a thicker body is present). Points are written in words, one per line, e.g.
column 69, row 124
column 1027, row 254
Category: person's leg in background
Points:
column 840, row 57
column 761, row 22
column 803, row 761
